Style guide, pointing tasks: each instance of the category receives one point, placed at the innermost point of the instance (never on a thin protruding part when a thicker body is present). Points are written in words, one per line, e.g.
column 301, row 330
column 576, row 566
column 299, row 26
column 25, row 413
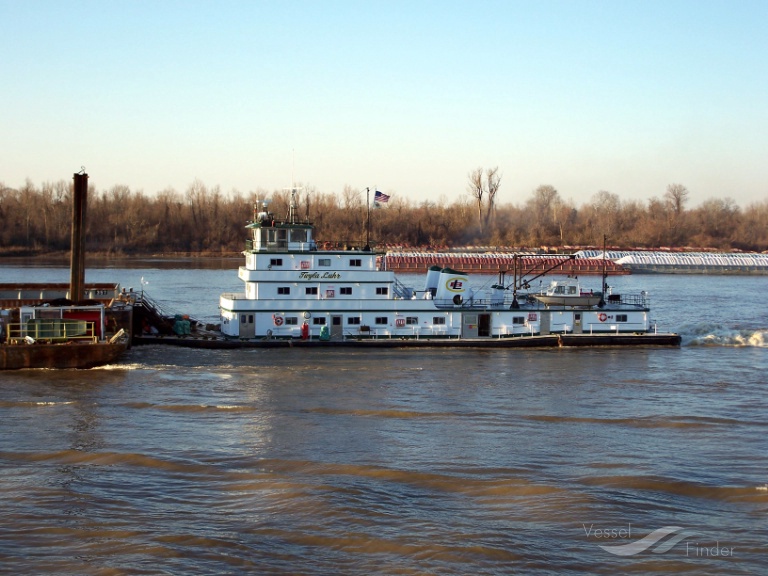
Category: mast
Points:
column 601, row 303
column 515, row 304
column 368, row 222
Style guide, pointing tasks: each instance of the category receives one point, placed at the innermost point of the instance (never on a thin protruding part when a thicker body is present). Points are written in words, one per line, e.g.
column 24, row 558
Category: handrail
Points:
column 51, row 330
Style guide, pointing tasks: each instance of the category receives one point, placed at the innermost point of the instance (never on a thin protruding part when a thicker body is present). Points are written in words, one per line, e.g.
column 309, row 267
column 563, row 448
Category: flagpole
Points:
column 368, row 224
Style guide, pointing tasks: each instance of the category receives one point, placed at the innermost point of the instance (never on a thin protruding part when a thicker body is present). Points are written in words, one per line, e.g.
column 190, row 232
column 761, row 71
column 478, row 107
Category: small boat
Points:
column 65, row 336
column 568, row 292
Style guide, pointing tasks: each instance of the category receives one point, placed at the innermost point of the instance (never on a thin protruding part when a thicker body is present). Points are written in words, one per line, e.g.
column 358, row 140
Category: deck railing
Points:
column 51, row 330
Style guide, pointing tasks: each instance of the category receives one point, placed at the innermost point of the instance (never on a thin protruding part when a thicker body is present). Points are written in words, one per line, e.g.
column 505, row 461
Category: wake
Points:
column 716, row 335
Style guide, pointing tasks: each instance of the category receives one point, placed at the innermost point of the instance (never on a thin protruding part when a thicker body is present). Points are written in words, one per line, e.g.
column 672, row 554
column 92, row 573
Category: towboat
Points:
column 53, row 336
column 299, row 290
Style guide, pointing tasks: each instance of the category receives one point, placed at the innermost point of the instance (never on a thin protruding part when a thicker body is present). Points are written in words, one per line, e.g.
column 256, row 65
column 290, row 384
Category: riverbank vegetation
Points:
column 205, row 221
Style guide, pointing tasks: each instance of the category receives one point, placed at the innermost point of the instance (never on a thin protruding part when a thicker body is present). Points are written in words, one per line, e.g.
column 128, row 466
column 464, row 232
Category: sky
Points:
column 405, row 97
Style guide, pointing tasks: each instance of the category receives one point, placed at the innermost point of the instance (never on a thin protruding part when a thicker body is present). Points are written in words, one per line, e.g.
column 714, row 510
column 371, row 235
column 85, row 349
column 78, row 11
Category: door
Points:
column 469, row 325
column 484, row 325
column 337, row 328
column 247, row 326
column 544, row 330
column 577, row 322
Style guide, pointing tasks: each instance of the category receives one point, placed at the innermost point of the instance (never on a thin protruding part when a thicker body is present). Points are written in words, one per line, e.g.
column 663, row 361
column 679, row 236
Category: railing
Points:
column 402, row 291
column 53, row 330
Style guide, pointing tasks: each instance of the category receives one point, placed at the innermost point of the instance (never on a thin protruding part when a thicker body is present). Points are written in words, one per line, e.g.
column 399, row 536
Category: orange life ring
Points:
column 278, row 320
column 602, row 316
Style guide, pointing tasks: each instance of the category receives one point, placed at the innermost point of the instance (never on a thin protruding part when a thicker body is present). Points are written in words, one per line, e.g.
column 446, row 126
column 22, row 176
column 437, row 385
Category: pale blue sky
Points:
column 406, row 96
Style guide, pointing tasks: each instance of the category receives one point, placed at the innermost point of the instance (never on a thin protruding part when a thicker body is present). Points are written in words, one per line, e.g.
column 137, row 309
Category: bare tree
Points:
column 477, row 191
column 493, row 181
column 676, row 196
column 543, row 204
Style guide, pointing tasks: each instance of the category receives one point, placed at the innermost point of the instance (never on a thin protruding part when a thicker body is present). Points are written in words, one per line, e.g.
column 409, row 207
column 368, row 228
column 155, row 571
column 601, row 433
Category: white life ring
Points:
column 602, row 316
column 278, row 320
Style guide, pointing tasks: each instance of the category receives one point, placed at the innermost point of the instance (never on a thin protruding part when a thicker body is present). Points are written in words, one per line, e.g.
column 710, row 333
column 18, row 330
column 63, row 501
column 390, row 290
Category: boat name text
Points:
column 319, row 276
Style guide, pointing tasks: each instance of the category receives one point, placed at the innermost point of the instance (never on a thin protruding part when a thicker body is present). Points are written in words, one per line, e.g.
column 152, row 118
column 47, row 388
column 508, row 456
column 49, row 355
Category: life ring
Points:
column 602, row 316
column 278, row 320
column 400, row 322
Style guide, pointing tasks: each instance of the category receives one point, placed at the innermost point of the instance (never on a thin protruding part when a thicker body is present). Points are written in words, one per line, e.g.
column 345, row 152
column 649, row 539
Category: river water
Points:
column 449, row 461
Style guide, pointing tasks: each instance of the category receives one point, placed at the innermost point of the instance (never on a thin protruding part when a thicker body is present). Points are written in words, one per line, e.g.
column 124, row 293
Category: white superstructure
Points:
column 298, row 288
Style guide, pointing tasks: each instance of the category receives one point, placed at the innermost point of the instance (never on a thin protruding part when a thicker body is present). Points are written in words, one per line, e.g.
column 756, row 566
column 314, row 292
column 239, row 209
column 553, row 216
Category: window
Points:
column 311, row 290
column 324, row 262
column 621, row 317
column 346, row 291
column 275, row 261
column 283, row 290
column 318, row 321
column 291, row 321
column 298, row 235
column 411, row 320
column 381, row 320
column 382, row 290
column 518, row 320
column 354, row 320
column 438, row 320
column 356, row 262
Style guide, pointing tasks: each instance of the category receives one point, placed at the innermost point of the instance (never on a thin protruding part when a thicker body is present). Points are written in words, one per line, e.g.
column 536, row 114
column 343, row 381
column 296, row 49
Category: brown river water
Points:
column 450, row 461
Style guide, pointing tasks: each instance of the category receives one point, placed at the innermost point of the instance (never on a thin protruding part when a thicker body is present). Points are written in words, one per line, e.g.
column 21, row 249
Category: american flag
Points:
column 380, row 197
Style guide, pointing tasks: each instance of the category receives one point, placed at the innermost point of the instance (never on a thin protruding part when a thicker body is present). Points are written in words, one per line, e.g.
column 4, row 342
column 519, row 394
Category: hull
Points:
column 537, row 341
column 66, row 355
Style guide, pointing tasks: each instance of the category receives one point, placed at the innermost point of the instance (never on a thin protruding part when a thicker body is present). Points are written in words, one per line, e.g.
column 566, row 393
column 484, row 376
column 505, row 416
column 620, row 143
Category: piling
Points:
column 77, row 257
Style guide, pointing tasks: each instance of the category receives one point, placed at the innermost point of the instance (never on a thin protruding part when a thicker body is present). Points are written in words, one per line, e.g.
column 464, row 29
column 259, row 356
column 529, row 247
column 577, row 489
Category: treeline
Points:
column 203, row 220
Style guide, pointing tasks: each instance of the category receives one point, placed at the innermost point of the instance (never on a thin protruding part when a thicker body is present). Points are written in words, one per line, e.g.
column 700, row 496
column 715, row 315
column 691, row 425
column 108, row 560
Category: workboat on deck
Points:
column 301, row 291
column 568, row 292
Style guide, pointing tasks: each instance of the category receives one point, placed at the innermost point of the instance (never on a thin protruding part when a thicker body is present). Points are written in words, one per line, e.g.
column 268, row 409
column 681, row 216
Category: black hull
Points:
column 548, row 341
